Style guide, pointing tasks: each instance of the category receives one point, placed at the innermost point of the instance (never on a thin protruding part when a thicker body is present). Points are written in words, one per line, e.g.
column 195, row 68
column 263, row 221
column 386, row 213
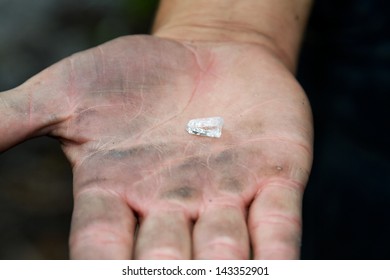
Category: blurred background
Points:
column 344, row 67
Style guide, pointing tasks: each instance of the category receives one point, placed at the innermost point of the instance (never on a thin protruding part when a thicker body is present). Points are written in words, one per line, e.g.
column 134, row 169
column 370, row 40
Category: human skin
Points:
column 146, row 189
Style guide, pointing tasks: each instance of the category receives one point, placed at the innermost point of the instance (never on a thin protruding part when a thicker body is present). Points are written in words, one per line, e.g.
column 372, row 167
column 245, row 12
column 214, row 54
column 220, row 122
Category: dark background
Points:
column 345, row 69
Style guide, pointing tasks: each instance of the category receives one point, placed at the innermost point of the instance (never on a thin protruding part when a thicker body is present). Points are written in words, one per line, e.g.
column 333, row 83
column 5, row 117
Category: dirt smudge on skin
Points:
column 181, row 193
column 231, row 184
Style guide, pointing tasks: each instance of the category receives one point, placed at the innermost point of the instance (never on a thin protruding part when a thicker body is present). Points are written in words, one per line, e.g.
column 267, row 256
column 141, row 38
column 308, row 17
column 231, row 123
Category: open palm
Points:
column 144, row 187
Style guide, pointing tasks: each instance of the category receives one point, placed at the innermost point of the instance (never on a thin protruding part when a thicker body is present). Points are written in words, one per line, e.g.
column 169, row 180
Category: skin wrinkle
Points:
column 259, row 105
column 227, row 25
column 281, row 139
column 160, row 151
column 224, row 242
column 141, row 90
column 173, row 206
column 166, row 253
column 80, row 112
column 211, row 61
column 80, row 162
column 254, row 175
column 191, row 163
column 204, row 70
column 282, row 183
column 139, row 151
column 226, row 238
column 160, row 124
column 111, row 91
column 236, row 28
column 278, row 218
column 94, row 181
column 154, row 127
column 101, row 146
column 103, row 235
column 91, row 155
column 98, row 232
column 96, row 189
column 266, row 42
column 128, row 117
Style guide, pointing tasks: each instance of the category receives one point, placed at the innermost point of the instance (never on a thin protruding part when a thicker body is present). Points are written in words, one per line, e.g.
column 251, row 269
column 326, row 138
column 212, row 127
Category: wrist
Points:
column 225, row 34
column 275, row 25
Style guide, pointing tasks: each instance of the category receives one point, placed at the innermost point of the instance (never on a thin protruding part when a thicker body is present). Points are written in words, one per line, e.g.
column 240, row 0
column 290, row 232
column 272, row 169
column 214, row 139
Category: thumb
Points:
column 32, row 109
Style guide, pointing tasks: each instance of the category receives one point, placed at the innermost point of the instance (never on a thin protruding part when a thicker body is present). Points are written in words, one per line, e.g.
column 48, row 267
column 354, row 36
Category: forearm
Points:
column 275, row 24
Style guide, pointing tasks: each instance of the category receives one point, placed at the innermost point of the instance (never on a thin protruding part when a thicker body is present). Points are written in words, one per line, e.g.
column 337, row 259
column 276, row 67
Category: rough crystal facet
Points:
column 210, row 127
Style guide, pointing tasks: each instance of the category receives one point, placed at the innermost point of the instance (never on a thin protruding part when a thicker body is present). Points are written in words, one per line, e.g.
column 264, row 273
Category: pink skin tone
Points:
column 146, row 189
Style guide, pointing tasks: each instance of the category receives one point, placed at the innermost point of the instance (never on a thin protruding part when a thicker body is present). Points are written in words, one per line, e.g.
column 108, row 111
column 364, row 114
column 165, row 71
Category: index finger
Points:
column 103, row 226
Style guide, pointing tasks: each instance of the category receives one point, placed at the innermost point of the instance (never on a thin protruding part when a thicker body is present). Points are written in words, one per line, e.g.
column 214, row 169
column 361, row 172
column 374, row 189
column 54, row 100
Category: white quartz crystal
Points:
column 210, row 127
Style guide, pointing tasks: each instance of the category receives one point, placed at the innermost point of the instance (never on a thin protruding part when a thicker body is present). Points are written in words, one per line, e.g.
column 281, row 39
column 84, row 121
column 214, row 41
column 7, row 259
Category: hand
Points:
column 143, row 187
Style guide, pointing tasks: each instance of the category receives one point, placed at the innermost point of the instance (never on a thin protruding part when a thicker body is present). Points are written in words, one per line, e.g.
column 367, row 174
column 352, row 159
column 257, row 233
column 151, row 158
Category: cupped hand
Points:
column 146, row 189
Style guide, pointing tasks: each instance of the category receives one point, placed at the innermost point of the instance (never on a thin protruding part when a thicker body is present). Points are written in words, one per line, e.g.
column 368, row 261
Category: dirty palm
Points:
column 120, row 111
